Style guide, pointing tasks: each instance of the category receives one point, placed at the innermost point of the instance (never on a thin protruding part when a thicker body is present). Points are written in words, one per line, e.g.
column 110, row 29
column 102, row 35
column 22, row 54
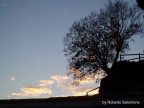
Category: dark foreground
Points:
column 105, row 101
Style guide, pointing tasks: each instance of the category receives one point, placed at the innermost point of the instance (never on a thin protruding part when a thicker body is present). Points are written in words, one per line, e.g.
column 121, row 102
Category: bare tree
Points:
column 96, row 41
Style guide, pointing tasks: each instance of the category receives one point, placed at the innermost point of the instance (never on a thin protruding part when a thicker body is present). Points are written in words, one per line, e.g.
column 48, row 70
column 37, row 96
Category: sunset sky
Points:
column 32, row 62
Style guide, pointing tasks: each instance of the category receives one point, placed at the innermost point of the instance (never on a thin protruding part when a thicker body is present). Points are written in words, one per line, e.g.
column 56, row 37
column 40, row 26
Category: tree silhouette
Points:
column 96, row 41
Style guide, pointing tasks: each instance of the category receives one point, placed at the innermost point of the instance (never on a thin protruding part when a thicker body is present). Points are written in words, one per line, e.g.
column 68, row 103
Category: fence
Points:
column 139, row 57
column 91, row 91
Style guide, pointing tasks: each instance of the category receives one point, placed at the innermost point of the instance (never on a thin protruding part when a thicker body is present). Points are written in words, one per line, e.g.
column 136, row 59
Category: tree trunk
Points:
column 107, row 70
column 116, row 58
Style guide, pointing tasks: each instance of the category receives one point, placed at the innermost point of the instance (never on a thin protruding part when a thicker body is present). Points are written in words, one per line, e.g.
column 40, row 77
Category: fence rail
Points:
column 122, row 55
column 139, row 56
column 91, row 91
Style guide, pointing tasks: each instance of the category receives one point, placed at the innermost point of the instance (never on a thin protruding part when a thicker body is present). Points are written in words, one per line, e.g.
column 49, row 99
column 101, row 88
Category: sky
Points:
column 32, row 61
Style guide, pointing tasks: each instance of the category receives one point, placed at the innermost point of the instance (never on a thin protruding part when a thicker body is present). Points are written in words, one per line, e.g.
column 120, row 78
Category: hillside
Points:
column 118, row 101
column 126, row 77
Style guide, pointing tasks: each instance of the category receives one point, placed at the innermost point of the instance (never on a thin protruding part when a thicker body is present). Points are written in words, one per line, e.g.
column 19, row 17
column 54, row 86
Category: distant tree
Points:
column 140, row 3
column 96, row 41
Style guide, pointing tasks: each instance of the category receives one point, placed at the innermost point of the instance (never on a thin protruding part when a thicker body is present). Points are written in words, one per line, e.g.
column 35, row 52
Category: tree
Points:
column 95, row 42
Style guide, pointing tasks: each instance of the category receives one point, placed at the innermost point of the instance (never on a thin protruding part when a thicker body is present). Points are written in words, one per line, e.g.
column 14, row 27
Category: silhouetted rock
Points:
column 125, row 77
column 140, row 3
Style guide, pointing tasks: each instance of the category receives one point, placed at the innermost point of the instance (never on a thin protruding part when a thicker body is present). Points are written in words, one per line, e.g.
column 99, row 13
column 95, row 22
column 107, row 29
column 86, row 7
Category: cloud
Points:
column 65, row 80
column 13, row 78
column 78, row 90
column 73, row 70
column 59, row 78
column 90, row 79
column 61, row 82
column 86, row 80
column 82, row 88
column 78, row 72
column 32, row 91
column 65, row 13
column 44, row 83
column 67, row 86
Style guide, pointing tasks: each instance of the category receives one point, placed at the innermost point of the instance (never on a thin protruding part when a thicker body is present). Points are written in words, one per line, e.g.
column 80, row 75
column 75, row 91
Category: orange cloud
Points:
column 78, row 90
column 44, row 83
column 86, row 75
column 86, row 81
column 73, row 70
column 32, row 91
column 63, row 82
column 59, row 78
column 67, row 86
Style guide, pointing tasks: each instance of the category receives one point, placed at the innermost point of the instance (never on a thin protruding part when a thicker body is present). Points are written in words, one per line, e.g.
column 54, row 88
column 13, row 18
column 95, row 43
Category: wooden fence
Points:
column 139, row 57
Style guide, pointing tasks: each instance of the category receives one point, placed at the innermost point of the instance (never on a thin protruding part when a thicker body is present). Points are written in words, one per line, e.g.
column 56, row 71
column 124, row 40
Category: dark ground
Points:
column 105, row 101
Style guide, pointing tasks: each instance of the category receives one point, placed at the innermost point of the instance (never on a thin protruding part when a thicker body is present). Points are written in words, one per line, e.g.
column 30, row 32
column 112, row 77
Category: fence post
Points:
column 139, row 56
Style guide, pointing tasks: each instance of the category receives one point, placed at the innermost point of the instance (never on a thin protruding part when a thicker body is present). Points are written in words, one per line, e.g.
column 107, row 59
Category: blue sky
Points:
column 31, row 46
